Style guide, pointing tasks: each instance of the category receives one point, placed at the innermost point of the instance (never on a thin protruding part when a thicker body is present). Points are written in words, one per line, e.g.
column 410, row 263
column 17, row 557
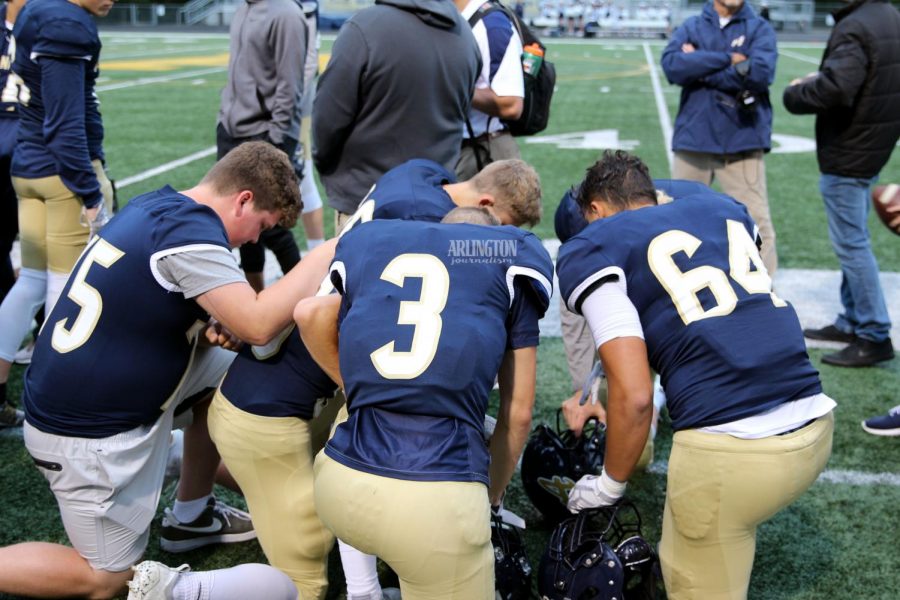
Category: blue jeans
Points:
column 847, row 207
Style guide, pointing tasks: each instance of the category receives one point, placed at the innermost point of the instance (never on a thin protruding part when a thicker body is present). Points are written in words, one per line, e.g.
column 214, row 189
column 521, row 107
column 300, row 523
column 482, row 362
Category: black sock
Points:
column 2, row 393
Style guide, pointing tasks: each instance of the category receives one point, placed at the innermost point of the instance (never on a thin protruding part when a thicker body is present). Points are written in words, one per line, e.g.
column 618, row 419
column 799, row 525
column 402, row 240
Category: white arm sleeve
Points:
column 610, row 314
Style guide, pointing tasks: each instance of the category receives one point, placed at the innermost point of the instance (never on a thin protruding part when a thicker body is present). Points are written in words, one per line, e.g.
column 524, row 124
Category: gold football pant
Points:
column 271, row 458
column 50, row 226
column 719, row 489
column 435, row 535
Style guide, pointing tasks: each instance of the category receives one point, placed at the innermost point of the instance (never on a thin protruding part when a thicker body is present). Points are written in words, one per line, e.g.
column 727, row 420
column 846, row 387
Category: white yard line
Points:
column 169, row 166
column 161, row 79
column 798, row 56
column 665, row 121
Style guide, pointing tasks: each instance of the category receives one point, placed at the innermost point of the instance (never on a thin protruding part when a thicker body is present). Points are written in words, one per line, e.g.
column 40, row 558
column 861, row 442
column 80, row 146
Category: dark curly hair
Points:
column 619, row 179
column 264, row 170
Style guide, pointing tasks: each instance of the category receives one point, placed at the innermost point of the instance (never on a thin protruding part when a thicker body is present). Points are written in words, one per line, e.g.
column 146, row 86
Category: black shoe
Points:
column 830, row 333
column 861, row 353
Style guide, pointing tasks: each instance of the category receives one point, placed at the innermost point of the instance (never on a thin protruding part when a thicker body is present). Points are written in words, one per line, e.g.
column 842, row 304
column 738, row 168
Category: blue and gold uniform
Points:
column 412, row 191
column 82, row 380
column 9, row 124
column 61, row 132
column 411, row 379
column 428, row 313
column 752, row 428
column 706, row 308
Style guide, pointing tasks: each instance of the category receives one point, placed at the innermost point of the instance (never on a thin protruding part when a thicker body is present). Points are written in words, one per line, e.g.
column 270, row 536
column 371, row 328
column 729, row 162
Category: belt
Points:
column 798, row 428
column 484, row 137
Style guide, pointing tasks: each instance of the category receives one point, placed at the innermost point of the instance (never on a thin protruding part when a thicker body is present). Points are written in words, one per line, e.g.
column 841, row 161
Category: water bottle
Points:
column 532, row 58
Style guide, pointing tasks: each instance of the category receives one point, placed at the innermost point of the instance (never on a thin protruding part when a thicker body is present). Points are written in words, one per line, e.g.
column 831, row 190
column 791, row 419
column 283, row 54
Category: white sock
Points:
column 19, row 307
column 189, row 510
column 360, row 573
column 55, row 284
column 312, row 244
column 237, row 583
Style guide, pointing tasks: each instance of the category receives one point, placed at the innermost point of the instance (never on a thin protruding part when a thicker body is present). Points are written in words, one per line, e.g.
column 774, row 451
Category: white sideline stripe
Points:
column 161, row 79
column 838, row 476
column 169, row 166
column 665, row 122
column 798, row 56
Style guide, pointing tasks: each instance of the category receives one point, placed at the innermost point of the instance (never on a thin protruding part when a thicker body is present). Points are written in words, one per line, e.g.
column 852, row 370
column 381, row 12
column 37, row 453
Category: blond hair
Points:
column 516, row 189
column 473, row 215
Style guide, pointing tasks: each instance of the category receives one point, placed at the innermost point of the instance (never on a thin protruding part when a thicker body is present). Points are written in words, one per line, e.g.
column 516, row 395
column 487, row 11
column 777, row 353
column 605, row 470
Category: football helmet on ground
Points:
column 512, row 569
column 599, row 555
column 554, row 460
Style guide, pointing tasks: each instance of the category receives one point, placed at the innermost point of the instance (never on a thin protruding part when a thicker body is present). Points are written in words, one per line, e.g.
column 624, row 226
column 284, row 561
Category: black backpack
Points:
column 538, row 89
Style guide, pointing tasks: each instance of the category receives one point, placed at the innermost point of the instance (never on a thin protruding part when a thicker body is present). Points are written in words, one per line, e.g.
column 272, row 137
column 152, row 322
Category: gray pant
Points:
column 743, row 177
column 501, row 146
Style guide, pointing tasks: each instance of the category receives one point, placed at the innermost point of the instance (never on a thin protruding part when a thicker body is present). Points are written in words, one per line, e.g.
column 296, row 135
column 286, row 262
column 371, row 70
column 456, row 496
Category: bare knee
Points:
column 105, row 585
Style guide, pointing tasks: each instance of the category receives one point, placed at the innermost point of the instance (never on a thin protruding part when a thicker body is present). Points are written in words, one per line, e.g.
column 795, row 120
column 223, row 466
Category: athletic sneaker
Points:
column 153, row 581
column 10, row 416
column 887, row 425
column 217, row 524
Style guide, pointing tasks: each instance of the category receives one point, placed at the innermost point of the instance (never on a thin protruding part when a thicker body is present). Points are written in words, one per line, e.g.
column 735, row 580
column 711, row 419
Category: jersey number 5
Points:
column 424, row 314
column 65, row 339
column 683, row 286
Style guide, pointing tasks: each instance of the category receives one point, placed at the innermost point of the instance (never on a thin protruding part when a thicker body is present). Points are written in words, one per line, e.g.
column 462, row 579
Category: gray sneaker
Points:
column 153, row 581
column 217, row 524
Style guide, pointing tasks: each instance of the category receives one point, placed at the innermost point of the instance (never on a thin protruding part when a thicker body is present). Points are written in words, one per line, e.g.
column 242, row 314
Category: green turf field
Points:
column 160, row 97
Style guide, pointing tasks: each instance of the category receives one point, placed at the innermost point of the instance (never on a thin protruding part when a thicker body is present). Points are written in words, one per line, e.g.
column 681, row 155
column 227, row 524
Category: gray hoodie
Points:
column 265, row 70
column 398, row 86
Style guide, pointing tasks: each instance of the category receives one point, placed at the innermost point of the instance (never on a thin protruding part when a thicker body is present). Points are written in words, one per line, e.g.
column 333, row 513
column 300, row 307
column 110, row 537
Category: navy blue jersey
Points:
column 283, row 380
column 725, row 346
column 57, row 49
column 116, row 345
column 8, row 102
column 569, row 220
column 277, row 380
column 429, row 310
column 413, row 191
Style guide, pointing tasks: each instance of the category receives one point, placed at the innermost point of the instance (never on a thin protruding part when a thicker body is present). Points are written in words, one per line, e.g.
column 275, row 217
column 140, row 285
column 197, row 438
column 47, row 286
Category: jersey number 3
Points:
column 65, row 339
column 424, row 314
column 683, row 286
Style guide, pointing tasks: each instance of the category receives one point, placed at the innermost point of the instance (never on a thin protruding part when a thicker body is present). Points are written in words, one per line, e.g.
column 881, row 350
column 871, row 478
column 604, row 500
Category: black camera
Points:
column 746, row 100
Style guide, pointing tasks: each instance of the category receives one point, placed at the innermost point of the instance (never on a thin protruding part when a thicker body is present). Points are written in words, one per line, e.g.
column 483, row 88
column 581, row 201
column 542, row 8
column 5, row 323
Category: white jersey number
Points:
column 65, row 339
column 683, row 286
column 424, row 314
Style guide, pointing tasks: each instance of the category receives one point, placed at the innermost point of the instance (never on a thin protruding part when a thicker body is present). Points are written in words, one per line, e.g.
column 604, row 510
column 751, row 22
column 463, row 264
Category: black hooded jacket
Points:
column 856, row 95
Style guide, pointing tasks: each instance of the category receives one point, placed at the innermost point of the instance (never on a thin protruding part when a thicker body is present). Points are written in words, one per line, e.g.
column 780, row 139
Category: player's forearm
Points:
column 317, row 320
column 517, row 386
column 629, row 404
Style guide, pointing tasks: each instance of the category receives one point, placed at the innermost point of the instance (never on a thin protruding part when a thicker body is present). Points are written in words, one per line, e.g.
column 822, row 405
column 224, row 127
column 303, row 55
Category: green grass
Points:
column 837, row 541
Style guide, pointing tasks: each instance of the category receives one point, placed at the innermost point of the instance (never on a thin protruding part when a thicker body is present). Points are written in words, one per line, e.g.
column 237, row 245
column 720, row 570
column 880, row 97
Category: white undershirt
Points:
column 611, row 314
